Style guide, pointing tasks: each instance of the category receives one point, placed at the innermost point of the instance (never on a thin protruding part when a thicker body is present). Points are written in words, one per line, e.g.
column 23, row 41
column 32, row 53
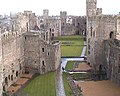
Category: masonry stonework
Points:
column 26, row 49
column 103, row 41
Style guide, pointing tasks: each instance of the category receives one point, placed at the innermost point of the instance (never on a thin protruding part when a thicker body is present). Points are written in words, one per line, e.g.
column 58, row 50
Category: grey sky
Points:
column 73, row 7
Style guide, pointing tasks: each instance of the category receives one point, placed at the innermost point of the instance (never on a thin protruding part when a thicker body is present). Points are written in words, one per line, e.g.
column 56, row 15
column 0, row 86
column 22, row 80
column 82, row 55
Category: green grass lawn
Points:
column 67, row 88
column 73, row 47
column 69, row 65
column 42, row 85
column 71, row 50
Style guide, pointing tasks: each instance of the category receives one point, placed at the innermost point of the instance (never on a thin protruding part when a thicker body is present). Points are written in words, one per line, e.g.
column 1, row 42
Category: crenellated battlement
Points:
column 99, row 11
column 10, row 35
column 109, row 17
column 82, row 17
column 91, row 0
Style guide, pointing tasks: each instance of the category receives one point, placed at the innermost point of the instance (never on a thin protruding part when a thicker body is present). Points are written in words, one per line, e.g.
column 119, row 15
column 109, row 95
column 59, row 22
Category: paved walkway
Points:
column 84, row 49
column 60, row 85
column 83, row 66
column 99, row 88
column 20, row 82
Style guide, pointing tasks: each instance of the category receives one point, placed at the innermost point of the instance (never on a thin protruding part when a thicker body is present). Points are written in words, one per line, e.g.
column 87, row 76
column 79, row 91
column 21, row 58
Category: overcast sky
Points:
column 73, row 7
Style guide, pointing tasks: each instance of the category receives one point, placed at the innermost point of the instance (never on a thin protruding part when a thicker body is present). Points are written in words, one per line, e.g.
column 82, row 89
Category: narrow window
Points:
column 43, row 50
column 12, row 77
column 17, row 74
column 50, row 29
column 12, row 71
column 91, row 30
column 9, row 77
column 43, row 63
column 52, row 34
column 111, row 35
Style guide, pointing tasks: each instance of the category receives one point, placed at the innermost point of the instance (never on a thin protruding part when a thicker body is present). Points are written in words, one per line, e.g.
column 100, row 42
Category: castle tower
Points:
column 63, row 16
column 91, row 13
column 45, row 16
column 45, row 13
column 91, row 7
column 1, row 66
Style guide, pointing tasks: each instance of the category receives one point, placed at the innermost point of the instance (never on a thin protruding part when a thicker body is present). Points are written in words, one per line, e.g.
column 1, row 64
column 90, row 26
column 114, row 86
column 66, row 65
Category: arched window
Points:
column 12, row 77
column 111, row 34
column 25, row 38
column 91, row 31
column 6, row 81
column 16, row 73
column 9, row 77
column 100, row 68
column 50, row 29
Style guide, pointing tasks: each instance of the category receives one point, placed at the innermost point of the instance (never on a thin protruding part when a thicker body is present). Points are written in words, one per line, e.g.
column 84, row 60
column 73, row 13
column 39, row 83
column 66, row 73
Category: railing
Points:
column 76, row 90
column 55, row 42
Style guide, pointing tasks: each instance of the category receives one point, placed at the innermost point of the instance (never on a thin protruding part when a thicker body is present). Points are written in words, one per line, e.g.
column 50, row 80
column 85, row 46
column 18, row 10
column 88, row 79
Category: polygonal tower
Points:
column 91, row 6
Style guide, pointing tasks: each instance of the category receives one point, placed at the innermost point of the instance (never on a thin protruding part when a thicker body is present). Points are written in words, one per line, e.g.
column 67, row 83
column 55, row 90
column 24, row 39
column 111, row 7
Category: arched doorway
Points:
column 100, row 68
column 43, row 67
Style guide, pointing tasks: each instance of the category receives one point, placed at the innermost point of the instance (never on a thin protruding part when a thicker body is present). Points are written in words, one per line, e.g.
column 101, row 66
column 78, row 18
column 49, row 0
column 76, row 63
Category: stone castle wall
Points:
column 27, row 52
column 1, row 67
column 112, row 59
column 102, row 41
column 12, row 57
column 99, row 28
column 42, row 54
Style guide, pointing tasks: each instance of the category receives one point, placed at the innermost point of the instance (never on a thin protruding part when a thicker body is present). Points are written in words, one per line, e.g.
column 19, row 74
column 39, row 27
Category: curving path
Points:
column 60, row 86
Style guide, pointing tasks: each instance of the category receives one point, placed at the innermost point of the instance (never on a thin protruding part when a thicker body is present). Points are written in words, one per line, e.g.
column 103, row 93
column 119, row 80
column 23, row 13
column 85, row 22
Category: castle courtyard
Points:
column 60, row 55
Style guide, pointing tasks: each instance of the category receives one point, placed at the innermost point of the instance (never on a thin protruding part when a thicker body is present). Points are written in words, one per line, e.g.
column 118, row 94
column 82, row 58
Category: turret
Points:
column 45, row 13
column 99, row 11
column 91, row 6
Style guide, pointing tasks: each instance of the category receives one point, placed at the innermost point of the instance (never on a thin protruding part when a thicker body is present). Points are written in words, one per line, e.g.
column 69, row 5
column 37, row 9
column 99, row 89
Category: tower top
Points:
column 91, row 0
column 91, row 7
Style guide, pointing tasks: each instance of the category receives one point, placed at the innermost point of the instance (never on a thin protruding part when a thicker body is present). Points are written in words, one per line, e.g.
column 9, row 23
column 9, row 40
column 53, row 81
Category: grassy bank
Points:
column 67, row 88
column 42, row 85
